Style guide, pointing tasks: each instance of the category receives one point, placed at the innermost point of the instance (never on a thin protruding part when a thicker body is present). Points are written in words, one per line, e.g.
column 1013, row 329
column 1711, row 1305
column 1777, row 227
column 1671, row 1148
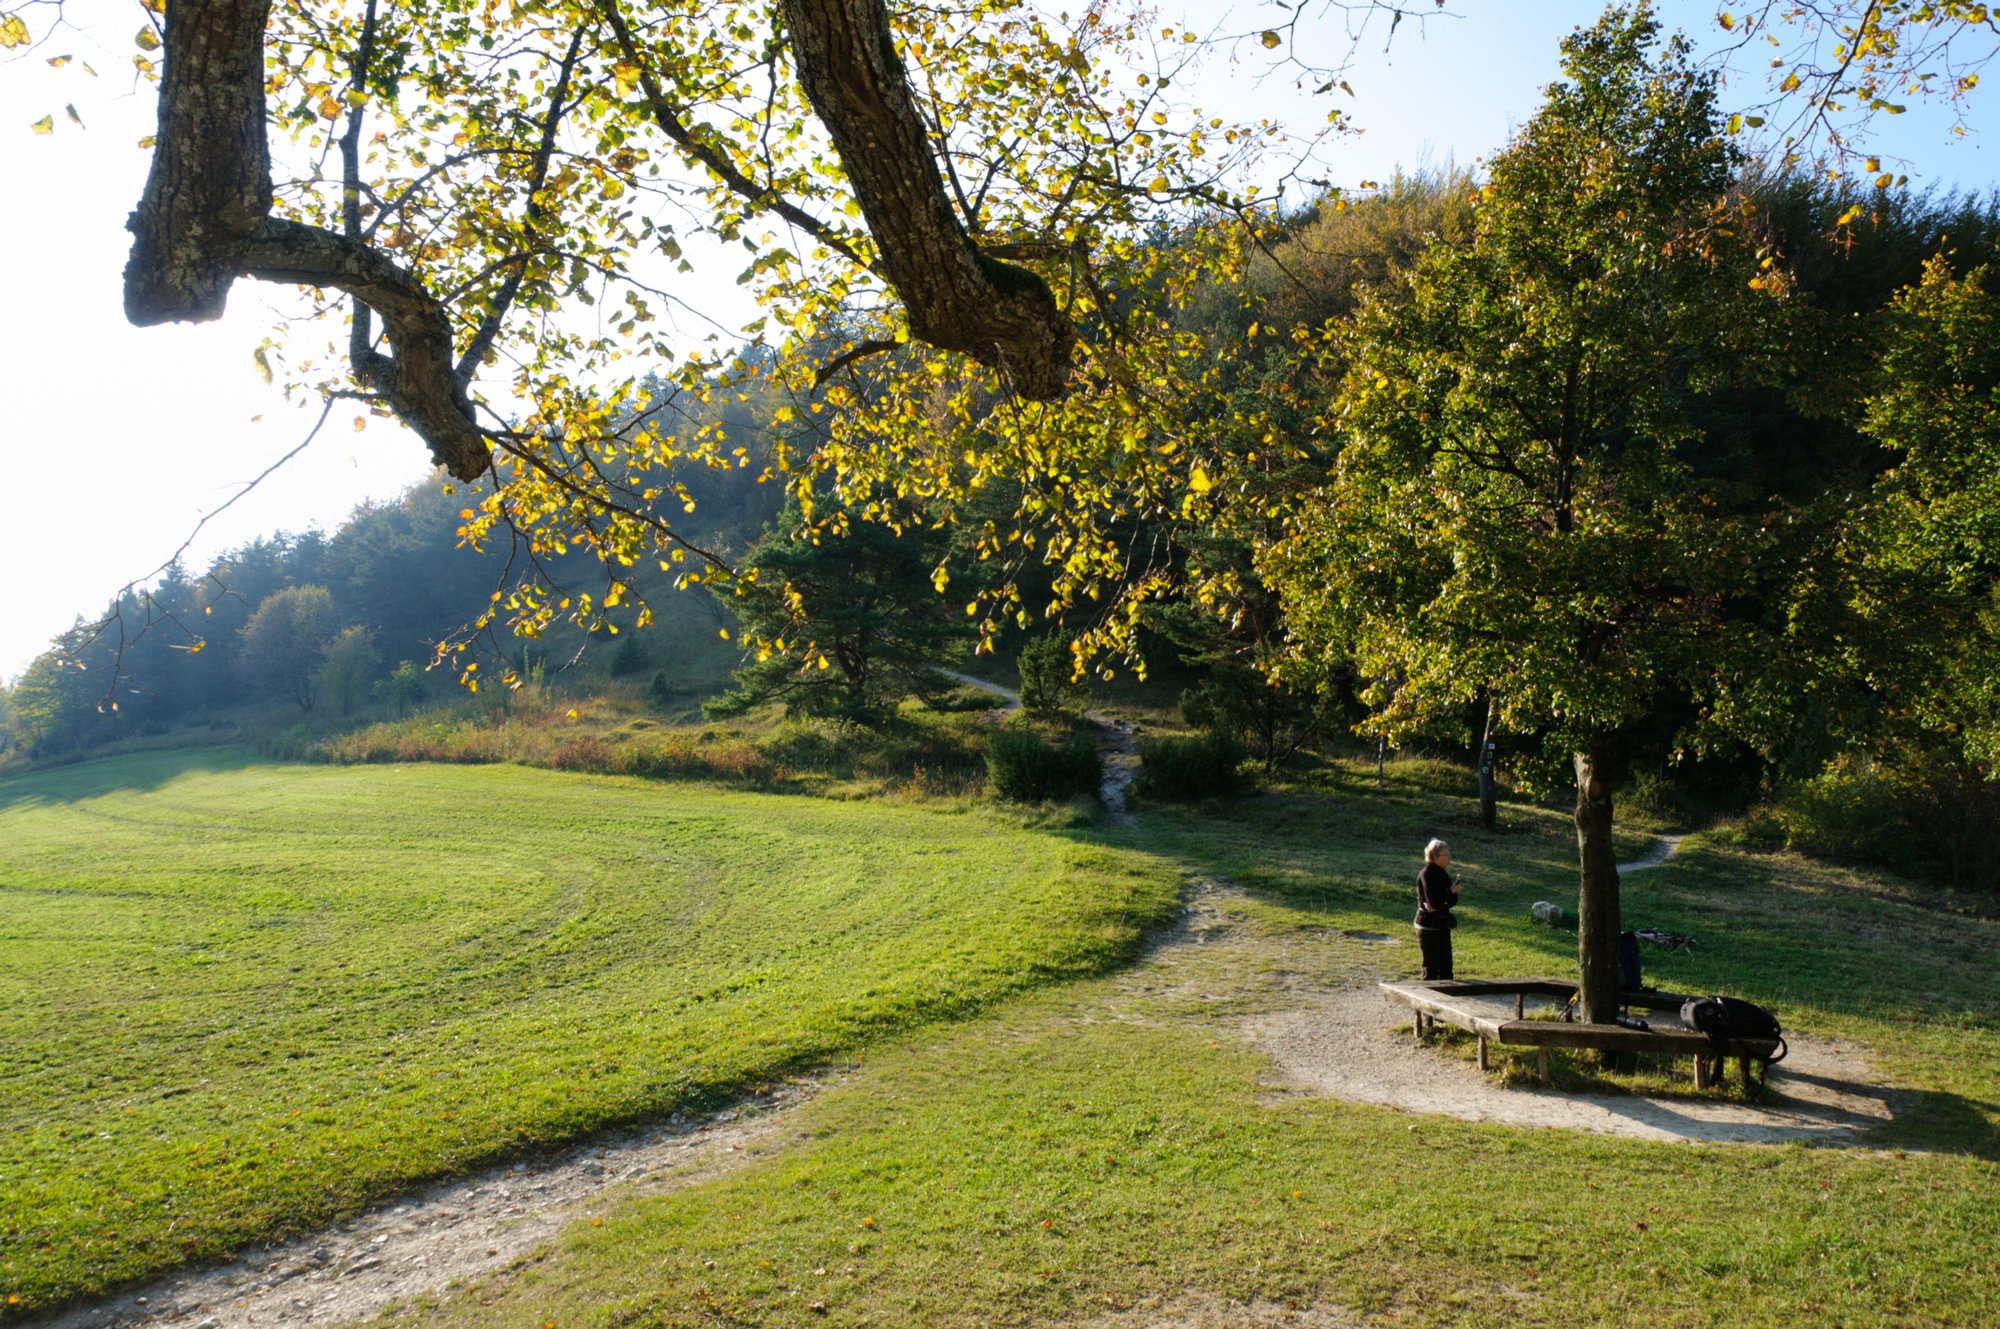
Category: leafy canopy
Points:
column 1518, row 504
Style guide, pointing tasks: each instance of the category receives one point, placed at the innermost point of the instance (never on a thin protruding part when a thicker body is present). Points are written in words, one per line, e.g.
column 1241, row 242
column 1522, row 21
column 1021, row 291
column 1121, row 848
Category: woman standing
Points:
column 1437, row 892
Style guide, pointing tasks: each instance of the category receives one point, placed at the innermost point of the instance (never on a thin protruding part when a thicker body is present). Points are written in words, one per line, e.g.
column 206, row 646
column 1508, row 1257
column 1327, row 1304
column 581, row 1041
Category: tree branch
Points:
column 955, row 297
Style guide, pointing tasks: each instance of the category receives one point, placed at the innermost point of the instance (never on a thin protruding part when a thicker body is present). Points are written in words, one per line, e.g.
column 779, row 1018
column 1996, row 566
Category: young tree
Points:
column 283, row 646
column 842, row 626
column 1049, row 685
column 347, row 667
column 1519, row 506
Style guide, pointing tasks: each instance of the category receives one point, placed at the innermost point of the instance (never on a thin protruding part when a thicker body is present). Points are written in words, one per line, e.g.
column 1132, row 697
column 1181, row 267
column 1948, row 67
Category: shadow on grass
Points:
column 1939, row 1122
column 130, row 773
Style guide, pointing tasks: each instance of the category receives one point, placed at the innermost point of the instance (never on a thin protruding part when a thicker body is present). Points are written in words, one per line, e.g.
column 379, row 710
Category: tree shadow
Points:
column 126, row 773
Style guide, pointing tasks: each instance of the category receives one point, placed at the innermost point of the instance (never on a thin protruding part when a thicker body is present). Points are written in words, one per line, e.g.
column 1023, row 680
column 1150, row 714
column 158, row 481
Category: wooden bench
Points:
column 1454, row 1002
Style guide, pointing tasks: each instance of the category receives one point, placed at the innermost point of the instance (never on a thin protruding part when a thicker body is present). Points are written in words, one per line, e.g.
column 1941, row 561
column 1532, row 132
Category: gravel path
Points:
column 454, row 1232
column 1120, row 746
column 1662, row 849
column 1352, row 1044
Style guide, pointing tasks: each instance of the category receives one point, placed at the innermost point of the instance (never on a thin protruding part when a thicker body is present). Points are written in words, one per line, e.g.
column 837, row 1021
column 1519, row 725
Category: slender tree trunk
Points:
column 1488, row 758
column 1381, row 760
column 1597, row 921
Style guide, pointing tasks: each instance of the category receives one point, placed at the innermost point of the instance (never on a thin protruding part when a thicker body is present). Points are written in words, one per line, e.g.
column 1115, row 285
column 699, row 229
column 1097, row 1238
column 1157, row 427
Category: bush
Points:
column 1180, row 770
column 1048, row 683
column 663, row 691
column 583, row 754
column 1023, row 768
column 1848, row 812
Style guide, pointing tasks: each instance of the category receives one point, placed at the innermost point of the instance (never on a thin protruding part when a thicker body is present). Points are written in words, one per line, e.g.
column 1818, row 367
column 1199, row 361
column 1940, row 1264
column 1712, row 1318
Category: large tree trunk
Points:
column 210, row 182
column 205, row 217
column 1597, row 919
column 956, row 298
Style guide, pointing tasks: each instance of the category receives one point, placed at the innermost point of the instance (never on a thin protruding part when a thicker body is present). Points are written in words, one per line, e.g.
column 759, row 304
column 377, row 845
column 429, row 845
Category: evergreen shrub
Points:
column 1184, row 770
column 1024, row 768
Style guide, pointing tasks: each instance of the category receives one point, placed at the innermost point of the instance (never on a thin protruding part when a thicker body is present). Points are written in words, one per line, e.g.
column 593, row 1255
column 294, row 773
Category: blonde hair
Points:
column 1433, row 849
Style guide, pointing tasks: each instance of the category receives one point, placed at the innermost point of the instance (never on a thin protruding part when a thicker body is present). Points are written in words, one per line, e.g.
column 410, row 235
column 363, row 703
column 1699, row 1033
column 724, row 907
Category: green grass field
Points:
column 1080, row 1152
column 431, row 965
column 237, row 1000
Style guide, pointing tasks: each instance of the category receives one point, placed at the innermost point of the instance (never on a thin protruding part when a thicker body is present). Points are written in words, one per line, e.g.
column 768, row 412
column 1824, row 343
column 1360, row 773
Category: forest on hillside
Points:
column 1684, row 471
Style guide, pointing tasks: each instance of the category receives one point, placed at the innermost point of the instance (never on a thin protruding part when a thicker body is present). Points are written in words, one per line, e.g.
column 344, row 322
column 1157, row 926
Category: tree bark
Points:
column 210, row 181
column 956, row 298
column 1597, row 921
column 204, row 220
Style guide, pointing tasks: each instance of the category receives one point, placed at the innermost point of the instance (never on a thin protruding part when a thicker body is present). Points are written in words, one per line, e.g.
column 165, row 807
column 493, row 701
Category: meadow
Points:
column 1115, row 1153
column 310, row 985
column 238, row 999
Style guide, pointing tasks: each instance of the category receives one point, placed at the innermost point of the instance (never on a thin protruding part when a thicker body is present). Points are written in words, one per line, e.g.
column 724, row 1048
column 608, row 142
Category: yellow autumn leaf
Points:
column 13, row 32
column 45, row 125
column 1270, row 40
column 1199, row 481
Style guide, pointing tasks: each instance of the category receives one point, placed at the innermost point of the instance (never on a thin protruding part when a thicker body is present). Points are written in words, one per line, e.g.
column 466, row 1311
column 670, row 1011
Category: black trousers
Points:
column 1435, row 943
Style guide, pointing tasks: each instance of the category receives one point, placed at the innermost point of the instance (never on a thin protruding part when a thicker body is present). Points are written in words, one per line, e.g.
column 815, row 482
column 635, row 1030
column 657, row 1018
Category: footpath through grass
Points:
column 1076, row 1154
column 238, row 1000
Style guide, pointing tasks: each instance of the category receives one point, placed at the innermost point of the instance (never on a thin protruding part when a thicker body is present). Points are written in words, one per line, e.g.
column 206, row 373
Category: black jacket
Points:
column 1434, row 889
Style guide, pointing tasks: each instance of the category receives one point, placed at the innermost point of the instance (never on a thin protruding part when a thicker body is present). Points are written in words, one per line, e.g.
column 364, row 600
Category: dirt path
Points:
column 1120, row 746
column 454, row 1232
column 1661, row 850
column 1350, row 1044
column 1329, row 1031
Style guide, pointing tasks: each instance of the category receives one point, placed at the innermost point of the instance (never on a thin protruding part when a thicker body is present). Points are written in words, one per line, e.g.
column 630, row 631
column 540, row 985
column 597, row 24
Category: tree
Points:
column 283, row 646
column 842, row 626
column 403, row 688
column 1839, row 63
column 495, row 201
column 347, row 665
column 1518, row 508
column 1049, row 685
column 1923, row 555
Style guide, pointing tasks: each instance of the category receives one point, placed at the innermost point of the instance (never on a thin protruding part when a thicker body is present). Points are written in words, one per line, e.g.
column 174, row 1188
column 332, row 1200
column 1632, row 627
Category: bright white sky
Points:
column 114, row 441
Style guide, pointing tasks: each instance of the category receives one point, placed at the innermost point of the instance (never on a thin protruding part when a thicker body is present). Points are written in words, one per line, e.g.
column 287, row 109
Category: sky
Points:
column 116, row 441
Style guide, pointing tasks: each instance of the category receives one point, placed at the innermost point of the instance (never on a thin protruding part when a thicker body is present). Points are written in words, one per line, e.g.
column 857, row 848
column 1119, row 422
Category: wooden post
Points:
column 1482, row 1052
column 1520, row 1005
column 1542, row 1063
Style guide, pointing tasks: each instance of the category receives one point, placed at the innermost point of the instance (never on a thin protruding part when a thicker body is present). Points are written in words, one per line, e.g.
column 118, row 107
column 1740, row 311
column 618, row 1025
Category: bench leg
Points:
column 1542, row 1064
column 1700, row 1072
column 1746, row 1075
column 1482, row 1052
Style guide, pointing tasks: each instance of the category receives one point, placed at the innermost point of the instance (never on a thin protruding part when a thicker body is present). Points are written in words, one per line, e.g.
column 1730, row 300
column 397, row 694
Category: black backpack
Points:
column 1730, row 1022
column 1628, row 961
